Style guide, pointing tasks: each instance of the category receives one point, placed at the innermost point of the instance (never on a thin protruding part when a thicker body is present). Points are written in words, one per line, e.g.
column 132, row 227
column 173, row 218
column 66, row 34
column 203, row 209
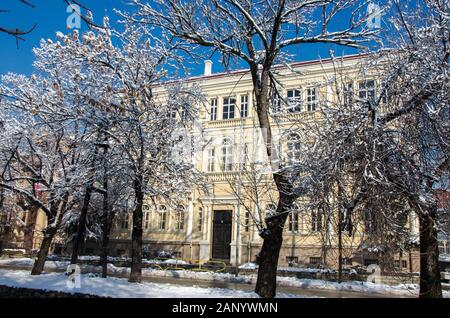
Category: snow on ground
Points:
column 254, row 266
column 15, row 250
column 248, row 266
column 355, row 286
column 117, row 287
column 28, row 262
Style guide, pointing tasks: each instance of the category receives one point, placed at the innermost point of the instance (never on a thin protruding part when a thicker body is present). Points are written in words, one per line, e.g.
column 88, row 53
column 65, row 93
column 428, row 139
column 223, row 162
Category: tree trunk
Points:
column 136, row 236
column 81, row 229
column 107, row 216
column 430, row 276
column 104, row 250
column 340, row 247
column 266, row 283
column 39, row 263
column 106, row 226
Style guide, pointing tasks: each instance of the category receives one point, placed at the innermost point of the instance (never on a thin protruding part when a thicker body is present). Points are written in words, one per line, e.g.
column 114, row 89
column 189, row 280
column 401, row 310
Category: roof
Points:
column 278, row 66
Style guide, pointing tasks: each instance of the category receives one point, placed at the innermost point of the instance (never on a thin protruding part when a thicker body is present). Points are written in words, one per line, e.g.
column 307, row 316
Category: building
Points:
column 218, row 225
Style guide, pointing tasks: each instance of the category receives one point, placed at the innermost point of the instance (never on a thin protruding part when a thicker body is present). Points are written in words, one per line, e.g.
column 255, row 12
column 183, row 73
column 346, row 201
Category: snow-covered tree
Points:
column 118, row 81
column 97, row 100
column 39, row 149
column 378, row 156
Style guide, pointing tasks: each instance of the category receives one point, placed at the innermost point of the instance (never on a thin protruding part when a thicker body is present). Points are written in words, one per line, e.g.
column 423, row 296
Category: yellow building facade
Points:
column 217, row 224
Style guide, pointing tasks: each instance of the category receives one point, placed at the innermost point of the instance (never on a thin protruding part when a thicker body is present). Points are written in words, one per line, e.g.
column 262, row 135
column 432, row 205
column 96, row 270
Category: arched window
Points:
column 162, row 217
column 179, row 218
column 146, row 220
column 293, row 218
column 227, row 155
column 293, row 149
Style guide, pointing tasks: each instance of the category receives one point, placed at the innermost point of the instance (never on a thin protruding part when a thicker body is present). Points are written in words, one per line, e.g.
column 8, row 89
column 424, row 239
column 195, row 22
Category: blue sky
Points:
column 50, row 17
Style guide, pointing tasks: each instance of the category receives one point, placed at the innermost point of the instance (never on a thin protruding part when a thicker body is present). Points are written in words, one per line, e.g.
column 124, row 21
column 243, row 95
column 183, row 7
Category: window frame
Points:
column 213, row 109
column 180, row 218
column 348, row 93
column 365, row 92
column 316, row 221
column 162, row 217
column 211, row 159
column 226, row 156
column 146, row 220
column 244, row 106
column 125, row 222
column 294, row 102
column 275, row 103
column 311, row 104
column 228, row 108
column 293, row 225
column 293, row 149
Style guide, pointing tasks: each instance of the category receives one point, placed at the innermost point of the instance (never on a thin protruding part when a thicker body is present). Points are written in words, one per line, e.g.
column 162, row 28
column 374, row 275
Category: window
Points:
column 227, row 155
column 348, row 93
column 247, row 220
column 397, row 264
column 184, row 114
column 244, row 106
column 213, row 113
column 125, row 222
column 347, row 223
column 293, row 219
column 311, row 99
column 316, row 221
column 276, row 103
column 162, row 217
column 200, row 220
column 292, row 260
column 293, row 149
column 367, row 90
column 294, row 101
column 228, row 107
column 173, row 113
column 146, row 220
column 211, row 160
column 315, row 260
column 179, row 218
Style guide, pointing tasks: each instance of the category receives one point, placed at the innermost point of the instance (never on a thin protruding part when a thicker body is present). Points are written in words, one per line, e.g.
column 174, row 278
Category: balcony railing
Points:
column 221, row 176
column 226, row 123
